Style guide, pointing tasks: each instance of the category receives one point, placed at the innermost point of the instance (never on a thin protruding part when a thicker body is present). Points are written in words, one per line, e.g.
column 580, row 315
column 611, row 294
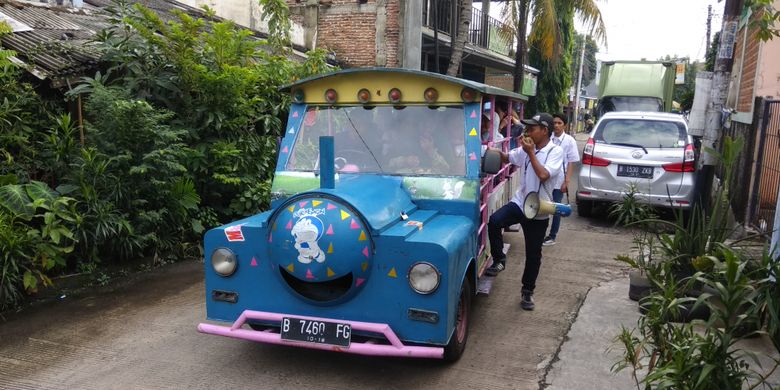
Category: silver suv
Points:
column 650, row 151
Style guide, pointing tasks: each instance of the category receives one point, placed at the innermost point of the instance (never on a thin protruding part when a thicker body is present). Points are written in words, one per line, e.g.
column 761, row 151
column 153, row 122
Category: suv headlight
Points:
column 424, row 278
column 224, row 262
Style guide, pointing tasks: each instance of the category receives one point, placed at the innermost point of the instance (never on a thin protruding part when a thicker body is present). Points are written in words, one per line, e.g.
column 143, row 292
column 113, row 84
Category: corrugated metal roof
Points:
column 39, row 17
column 60, row 46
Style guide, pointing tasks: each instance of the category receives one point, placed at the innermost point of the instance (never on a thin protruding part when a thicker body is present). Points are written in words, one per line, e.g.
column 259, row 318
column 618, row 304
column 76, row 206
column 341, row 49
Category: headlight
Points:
column 223, row 261
column 424, row 278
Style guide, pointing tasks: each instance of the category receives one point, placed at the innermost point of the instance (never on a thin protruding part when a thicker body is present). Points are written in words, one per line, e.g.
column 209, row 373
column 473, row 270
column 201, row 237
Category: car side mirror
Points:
column 491, row 161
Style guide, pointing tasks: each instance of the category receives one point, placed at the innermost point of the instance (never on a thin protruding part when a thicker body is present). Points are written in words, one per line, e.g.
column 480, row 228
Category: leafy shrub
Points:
column 630, row 209
column 36, row 235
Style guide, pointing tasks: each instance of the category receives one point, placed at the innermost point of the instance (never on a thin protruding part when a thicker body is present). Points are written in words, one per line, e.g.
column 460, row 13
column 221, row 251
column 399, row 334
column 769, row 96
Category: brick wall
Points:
column 350, row 30
column 749, row 66
column 393, row 33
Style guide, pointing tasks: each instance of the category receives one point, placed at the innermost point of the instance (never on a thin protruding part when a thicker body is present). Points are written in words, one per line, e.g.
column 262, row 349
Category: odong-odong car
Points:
column 376, row 237
column 649, row 151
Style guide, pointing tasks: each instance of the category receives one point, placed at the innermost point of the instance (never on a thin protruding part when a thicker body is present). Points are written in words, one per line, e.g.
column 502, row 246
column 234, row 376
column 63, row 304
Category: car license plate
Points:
column 315, row 331
column 635, row 171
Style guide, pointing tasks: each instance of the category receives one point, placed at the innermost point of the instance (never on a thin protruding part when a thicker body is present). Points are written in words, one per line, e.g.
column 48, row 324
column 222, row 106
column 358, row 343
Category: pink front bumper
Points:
column 396, row 347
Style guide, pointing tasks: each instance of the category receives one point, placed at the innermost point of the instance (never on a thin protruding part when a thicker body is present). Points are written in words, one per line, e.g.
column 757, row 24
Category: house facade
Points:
column 754, row 100
column 411, row 34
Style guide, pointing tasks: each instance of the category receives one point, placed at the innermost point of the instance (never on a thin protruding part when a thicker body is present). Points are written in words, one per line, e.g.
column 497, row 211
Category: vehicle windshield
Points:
column 629, row 103
column 642, row 132
column 394, row 140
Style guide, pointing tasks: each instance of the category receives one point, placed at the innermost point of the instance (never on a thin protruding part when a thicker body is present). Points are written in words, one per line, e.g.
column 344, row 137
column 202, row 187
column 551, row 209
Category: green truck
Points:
column 635, row 86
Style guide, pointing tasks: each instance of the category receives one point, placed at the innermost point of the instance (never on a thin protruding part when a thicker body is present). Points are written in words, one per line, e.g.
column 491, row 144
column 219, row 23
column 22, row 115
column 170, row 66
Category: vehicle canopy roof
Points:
column 379, row 81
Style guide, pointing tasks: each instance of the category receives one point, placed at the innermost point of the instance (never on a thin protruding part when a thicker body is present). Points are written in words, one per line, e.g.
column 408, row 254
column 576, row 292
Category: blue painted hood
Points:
column 379, row 199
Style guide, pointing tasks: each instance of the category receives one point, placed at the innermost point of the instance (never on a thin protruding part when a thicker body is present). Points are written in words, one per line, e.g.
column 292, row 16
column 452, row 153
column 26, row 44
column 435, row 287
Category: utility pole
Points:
column 576, row 119
column 709, row 27
column 720, row 81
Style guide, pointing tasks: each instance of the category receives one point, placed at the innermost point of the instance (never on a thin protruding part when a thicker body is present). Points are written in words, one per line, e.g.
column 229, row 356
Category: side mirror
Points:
column 491, row 161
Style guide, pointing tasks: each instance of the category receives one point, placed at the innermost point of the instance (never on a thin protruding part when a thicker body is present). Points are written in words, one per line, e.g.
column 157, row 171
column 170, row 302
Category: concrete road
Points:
column 141, row 335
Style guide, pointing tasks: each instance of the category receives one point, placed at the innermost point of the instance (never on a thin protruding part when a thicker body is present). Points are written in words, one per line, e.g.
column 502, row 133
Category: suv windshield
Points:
column 402, row 140
column 641, row 132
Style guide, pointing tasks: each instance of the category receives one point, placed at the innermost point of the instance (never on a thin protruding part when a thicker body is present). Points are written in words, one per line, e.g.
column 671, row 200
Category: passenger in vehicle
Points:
column 422, row 158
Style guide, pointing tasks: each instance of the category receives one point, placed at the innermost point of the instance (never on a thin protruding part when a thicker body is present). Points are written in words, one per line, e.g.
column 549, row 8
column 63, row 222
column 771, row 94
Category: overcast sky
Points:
column 651, row 29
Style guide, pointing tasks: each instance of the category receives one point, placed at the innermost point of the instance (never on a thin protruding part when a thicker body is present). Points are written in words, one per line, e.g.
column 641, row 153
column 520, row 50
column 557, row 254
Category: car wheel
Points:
column 454, row 349
column 585, row 208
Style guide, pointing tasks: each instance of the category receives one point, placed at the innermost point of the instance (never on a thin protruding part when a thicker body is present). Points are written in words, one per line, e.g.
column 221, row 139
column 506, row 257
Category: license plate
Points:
column 315, row 331
column 635, row 171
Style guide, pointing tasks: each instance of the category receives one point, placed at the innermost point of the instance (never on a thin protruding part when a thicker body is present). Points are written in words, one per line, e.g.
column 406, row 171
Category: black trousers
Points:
column 533, row 231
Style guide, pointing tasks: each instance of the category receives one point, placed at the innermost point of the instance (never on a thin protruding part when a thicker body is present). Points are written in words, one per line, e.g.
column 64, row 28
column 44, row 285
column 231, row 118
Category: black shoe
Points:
column 495, row 268
column 527, row 300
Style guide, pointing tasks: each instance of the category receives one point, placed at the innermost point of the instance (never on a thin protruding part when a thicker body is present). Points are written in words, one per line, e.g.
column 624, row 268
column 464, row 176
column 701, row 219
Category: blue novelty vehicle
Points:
column 376, row 237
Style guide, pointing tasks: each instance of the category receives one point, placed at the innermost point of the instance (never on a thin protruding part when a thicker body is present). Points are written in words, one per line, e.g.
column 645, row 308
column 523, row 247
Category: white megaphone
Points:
column 535, row 206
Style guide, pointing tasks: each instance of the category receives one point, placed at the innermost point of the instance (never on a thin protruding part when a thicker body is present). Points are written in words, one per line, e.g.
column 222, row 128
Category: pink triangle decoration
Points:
column 365, row 251
column 473, row 114
column 301, row 204
column 354, row 225
column 330, row 230
column 295, row 114
column 330, row 206
column 270, row 238
column 309, row 275
column 289, row 225
column 285, row 150
column 359, row 281
column 254, row 262
column 472, row 156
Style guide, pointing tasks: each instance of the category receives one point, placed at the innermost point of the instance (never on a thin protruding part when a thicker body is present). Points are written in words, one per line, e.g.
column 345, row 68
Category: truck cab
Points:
column 376, row 238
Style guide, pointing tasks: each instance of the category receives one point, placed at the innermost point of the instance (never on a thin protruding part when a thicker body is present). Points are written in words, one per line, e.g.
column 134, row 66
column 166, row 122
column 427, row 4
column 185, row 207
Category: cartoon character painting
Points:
column 307, row 231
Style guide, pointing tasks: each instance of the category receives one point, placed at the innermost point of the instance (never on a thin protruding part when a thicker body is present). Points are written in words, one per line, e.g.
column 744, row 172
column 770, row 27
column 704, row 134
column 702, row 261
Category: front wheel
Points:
column 454, row 349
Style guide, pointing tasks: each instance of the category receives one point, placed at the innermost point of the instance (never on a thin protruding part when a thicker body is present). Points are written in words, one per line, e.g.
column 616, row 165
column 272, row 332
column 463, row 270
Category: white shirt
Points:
column 551, row 156
column 570, row 154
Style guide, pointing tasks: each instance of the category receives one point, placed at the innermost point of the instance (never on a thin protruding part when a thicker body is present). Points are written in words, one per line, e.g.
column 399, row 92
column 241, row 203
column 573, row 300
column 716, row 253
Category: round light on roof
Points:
column 331, row 96
column 394, row 95
column 364, row 95
column 431, row 95
column 468, row 95
column 298, row 96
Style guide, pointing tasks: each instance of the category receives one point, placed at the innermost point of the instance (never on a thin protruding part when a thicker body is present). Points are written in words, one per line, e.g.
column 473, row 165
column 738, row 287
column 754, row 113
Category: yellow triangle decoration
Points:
column 392, row 273
column 473, row 132
column 364, row 266
column 362, row 236
column 291, row 208
column 330, row 272
column 291, row 267
column 316, row 203
column 274, row 228
column 344, row 215
column 330, row 248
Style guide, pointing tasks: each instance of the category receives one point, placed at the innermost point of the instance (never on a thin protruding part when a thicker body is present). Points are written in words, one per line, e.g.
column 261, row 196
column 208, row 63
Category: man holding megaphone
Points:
column 541, row 162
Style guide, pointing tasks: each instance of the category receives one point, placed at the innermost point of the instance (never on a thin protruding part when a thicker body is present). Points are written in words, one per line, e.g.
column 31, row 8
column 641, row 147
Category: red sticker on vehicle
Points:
column 234, row 233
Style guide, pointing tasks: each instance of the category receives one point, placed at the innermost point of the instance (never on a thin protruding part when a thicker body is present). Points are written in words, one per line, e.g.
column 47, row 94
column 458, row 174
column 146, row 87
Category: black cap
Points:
column 542, row 118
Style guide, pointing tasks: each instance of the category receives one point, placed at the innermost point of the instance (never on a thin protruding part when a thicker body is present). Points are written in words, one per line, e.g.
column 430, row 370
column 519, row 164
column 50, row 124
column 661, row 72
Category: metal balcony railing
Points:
column 485, row 31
